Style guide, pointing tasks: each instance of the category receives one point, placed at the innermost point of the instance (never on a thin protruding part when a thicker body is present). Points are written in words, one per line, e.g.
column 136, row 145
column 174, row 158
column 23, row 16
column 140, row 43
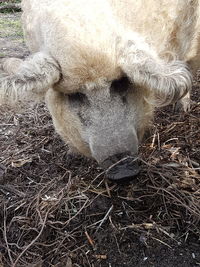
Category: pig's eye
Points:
column 78, row 98
column 120, row 86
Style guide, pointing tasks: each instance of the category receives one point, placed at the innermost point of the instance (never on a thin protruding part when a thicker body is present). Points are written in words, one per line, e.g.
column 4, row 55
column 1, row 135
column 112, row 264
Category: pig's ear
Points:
column 169, row 80
column 27, row 79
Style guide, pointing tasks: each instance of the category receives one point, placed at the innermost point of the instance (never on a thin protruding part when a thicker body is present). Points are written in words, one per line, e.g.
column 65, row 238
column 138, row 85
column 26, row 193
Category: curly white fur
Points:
column 168, row 80
column 81, row 35
column 33, row 76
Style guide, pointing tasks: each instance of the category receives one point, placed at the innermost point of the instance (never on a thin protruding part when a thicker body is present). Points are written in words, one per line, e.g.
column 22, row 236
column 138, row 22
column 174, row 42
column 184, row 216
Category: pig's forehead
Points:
column 95, row 69
column 86, row 68
column 83, row 79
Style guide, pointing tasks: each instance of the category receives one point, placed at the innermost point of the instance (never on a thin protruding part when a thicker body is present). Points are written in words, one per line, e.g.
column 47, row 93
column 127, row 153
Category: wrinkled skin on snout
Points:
column 106, row 123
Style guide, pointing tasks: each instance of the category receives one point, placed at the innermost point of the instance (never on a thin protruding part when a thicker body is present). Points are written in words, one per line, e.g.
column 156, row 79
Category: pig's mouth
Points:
column 121, row 167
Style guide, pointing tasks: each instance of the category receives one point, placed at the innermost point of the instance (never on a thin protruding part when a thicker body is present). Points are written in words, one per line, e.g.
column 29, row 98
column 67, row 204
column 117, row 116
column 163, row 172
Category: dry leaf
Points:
column 101, row 257
column 20, row 162
column 172, row 164
column 187, row 183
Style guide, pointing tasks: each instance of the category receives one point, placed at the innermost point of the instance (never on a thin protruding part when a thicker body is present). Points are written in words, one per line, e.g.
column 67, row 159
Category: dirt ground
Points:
column 57, row 210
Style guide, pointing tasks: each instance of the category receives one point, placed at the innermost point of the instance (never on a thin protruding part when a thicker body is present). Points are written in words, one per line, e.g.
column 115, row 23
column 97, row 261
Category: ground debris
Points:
column 49, row 203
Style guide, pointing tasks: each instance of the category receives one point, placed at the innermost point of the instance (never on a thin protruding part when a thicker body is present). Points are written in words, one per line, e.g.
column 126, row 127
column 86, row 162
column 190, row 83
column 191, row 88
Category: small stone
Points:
column 193, row 256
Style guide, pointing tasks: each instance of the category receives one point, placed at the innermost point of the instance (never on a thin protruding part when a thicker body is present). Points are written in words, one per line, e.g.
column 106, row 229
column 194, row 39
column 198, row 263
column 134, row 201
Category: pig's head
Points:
column 101, row 107
column 105, row 121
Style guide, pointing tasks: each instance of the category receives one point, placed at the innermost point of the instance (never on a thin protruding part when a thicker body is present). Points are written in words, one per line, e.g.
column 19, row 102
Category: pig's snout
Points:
column 121, row 168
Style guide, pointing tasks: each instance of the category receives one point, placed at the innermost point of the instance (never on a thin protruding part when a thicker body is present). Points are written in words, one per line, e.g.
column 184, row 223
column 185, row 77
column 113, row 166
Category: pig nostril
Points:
column 121, row 170
column 117, row 158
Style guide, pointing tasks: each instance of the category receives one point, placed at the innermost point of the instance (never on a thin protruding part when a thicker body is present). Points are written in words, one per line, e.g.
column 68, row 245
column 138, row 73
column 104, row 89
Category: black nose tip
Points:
column 123, row 170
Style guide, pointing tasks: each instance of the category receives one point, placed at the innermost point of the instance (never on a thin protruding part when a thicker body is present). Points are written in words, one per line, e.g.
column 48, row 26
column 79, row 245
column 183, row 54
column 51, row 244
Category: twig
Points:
column 33, row 241
column 13, row 190
column 89, row 239
column 5, row 236
column 104, row 218
column 153, row 141
column 162, row 242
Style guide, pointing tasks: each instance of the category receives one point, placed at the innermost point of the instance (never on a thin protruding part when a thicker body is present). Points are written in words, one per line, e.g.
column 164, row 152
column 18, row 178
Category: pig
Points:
column 102, row 68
